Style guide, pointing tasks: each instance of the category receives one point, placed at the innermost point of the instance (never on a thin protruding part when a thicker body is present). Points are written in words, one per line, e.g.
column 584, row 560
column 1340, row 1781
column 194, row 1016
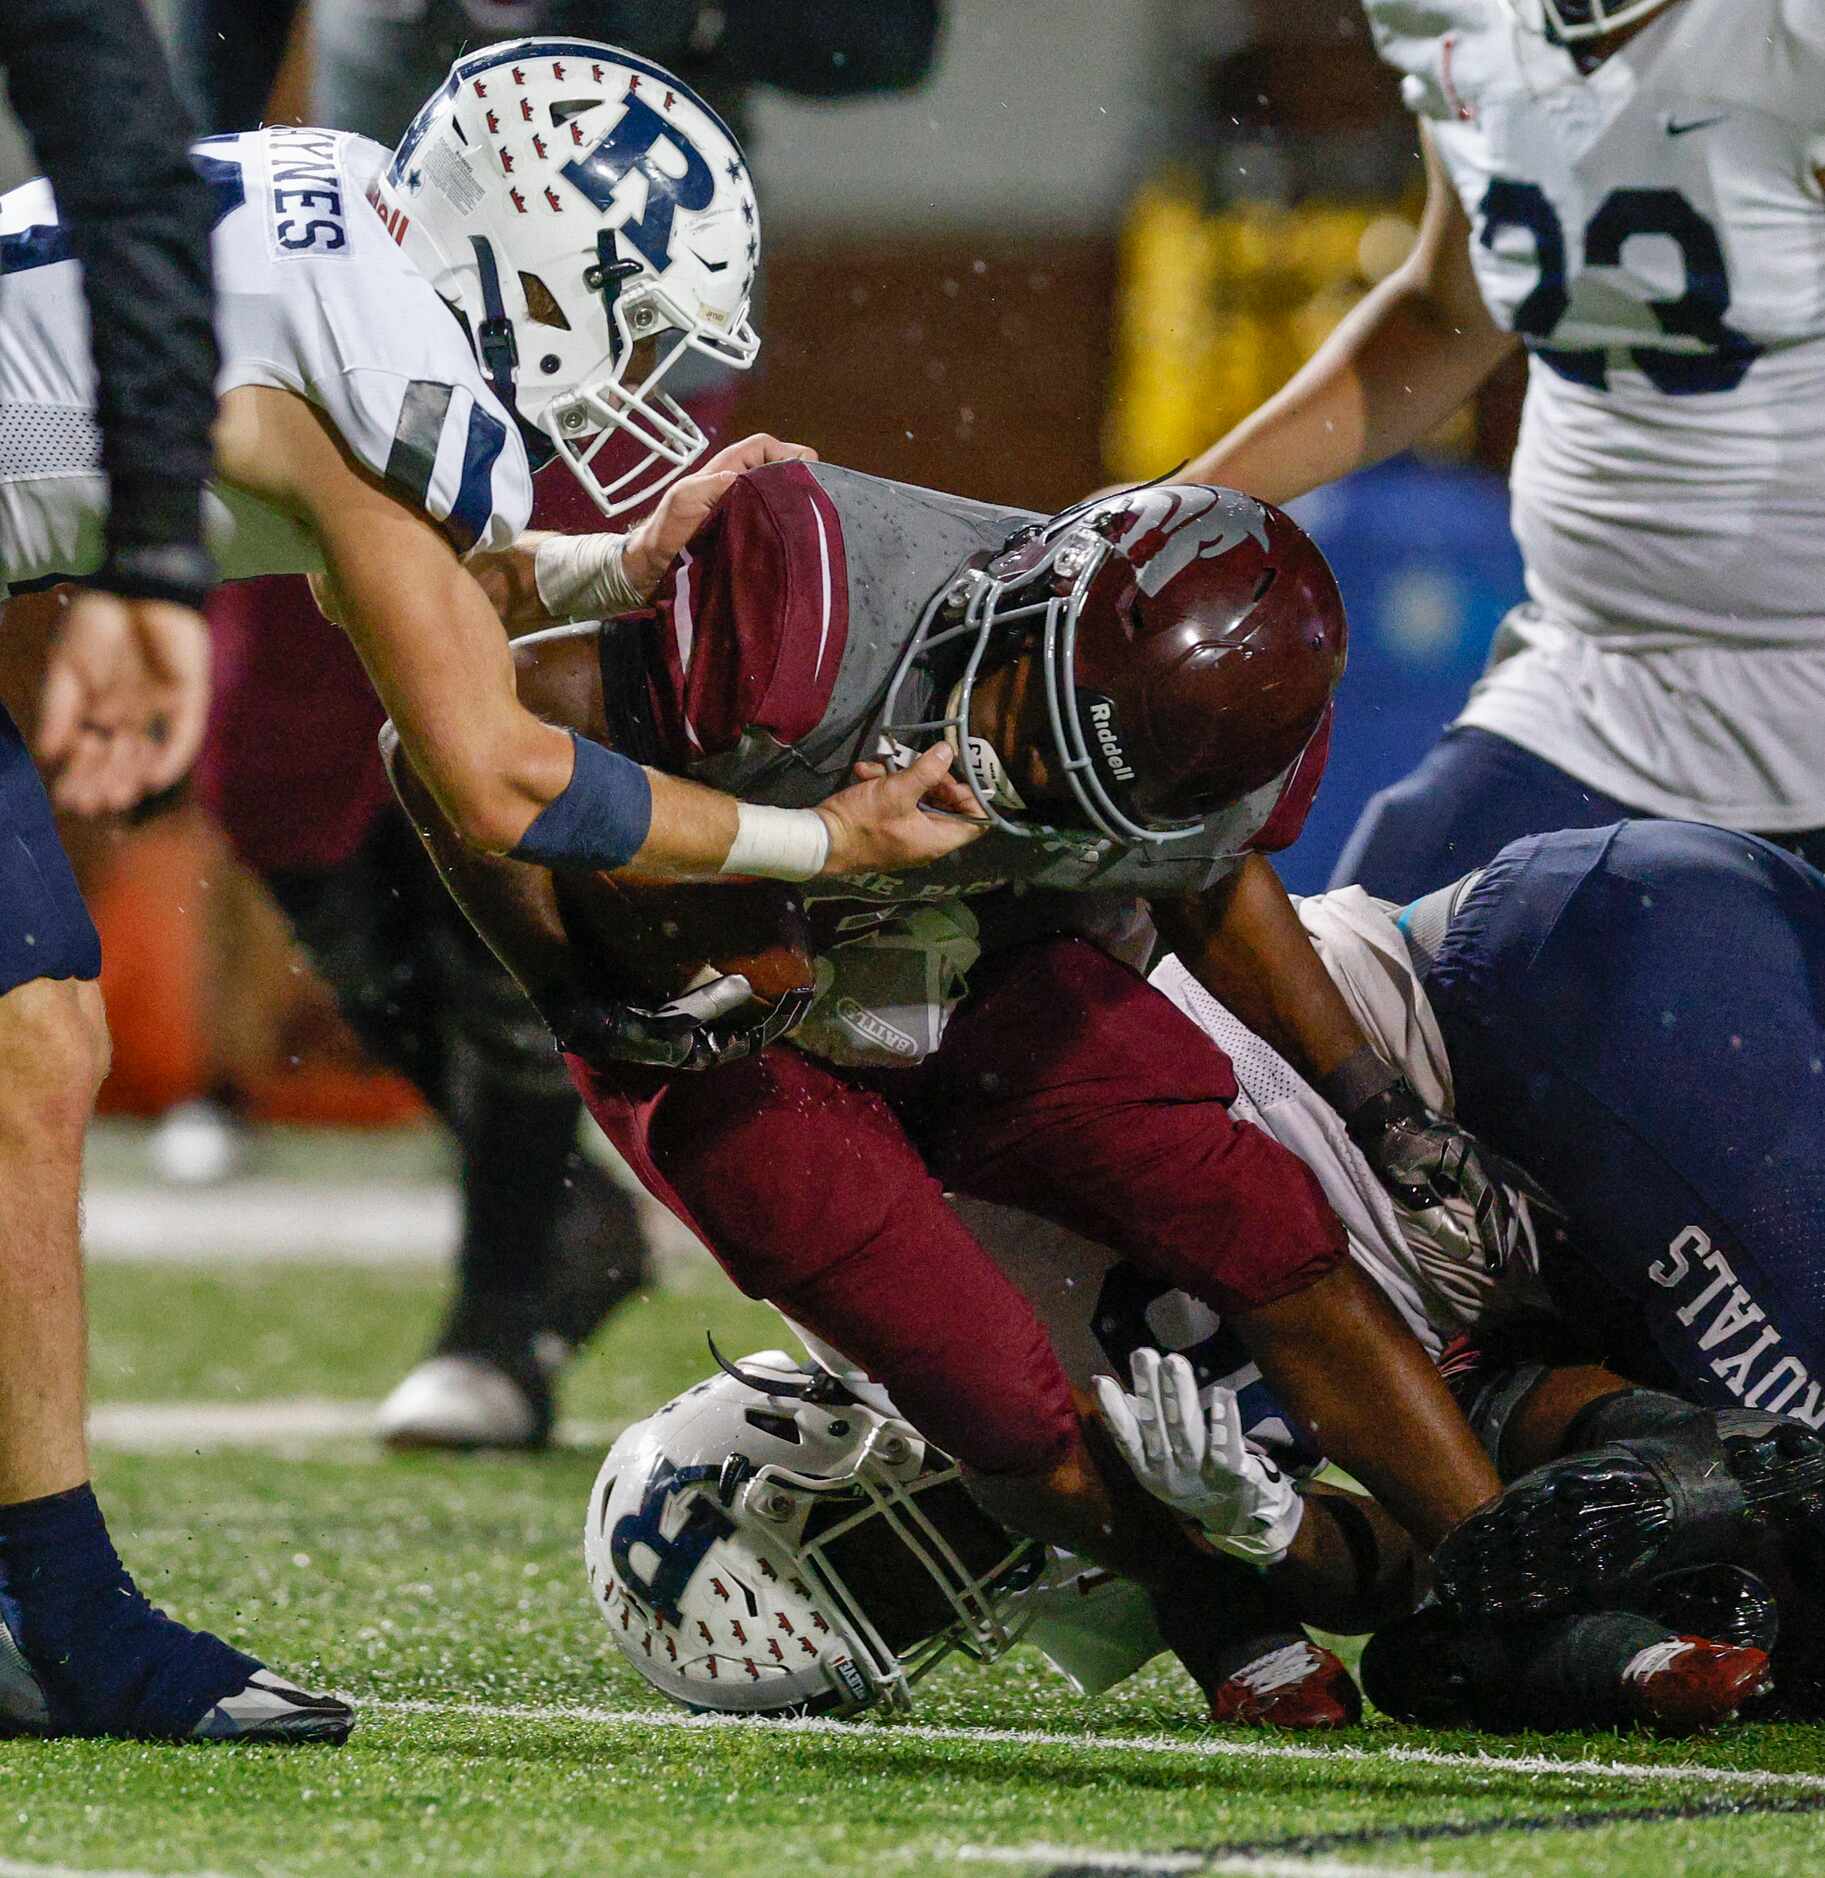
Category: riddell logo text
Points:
column 1102, row 719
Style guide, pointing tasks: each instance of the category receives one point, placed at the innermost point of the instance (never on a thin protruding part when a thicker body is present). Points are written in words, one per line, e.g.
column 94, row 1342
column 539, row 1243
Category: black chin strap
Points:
column 494, row 339
column 607, row 278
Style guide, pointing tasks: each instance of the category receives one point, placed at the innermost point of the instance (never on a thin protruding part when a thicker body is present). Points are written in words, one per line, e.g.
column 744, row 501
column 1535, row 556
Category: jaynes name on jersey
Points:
column 1654, row 230
column 313, row 296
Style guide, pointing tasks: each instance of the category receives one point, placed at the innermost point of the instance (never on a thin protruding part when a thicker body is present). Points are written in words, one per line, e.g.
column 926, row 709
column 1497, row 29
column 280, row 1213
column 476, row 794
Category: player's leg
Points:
column 1069, row 1087
column 1636, row 1015
column 1606, row 1669
column 81, row 1652
column 810, row 1194
column 1472, row 794
column 550, row 1243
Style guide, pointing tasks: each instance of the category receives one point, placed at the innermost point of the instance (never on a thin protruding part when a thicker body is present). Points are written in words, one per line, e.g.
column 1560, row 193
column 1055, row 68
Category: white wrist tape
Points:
column 781, row 844
column 583, row 577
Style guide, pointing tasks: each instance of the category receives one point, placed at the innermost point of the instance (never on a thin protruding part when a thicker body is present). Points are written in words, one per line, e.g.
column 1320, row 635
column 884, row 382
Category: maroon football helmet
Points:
column 1191, row 640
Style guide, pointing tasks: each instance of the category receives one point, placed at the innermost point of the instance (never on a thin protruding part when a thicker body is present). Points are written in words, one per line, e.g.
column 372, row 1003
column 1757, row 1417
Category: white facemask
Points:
column 984, row 763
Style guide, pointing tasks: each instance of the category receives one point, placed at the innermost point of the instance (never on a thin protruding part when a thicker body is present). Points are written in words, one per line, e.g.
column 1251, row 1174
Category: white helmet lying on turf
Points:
column 767, row 1543
column 573, row 202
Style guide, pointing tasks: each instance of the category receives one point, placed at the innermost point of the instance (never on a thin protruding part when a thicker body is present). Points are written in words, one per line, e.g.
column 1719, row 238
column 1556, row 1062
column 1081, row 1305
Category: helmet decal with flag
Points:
column 593, row 220
column 1189, row 638
column 768, row 1543
column 1574, row 22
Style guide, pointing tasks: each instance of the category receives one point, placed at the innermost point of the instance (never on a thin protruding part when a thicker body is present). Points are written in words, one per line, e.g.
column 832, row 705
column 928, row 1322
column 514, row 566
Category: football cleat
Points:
column 264, row 1709
column 1726, row 1603
column 1686, row 1683
column 1299, row 1685
column 1582, row 1531
column 271, row 1710
column 466, row 1402
column 200, row 1143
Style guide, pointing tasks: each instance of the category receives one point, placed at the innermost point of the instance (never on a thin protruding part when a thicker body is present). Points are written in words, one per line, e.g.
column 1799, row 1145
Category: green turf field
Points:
column 501, row 1736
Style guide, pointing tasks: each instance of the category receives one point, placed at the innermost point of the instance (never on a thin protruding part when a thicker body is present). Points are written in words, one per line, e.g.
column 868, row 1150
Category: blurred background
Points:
column 1068, row 242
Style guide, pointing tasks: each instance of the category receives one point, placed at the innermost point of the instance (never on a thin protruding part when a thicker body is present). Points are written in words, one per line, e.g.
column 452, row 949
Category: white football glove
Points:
column 1191, row 1453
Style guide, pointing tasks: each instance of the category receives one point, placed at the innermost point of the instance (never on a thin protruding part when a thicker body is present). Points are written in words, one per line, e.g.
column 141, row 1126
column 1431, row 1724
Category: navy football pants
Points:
column 45, row 930
column 1472, row 794
column 1637, row 1015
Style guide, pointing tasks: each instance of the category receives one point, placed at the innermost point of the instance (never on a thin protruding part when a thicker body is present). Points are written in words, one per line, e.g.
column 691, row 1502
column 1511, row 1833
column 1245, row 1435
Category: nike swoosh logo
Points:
column 1698, row 123
column 712, row 267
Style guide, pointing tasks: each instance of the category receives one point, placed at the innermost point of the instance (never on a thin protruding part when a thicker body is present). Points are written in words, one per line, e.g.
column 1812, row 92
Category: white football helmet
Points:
column 766, row 1544
column 1571, row 22
column 574, row 203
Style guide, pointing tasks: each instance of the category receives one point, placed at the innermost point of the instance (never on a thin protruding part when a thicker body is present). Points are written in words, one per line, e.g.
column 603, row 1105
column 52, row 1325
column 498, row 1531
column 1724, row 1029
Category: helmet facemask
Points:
column 1035, row 590
column 1577, row 22
column 782, row 1497
column 573, row 201
column 847, row 1540
column 650, row 332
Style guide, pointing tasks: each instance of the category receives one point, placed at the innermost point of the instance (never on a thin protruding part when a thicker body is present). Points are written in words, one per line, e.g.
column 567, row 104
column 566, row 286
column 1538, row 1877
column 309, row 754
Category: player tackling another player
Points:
column 560, row 224
column 1139, row 692
column 1632, row 192
column 1643, row 1364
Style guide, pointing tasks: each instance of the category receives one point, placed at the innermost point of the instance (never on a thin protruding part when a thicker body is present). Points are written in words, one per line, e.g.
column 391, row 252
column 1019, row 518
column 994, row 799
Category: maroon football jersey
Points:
column 763, row 671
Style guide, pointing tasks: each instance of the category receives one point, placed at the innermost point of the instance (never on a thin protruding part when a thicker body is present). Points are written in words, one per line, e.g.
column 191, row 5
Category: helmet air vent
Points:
column 542, row 303
column 771, row 1422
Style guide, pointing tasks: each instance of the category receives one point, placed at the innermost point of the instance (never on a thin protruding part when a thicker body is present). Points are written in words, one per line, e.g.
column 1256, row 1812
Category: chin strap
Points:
column 606, row 278
column 494, row 340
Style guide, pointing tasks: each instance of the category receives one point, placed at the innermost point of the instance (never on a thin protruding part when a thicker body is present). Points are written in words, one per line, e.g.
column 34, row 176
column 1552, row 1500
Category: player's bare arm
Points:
column 1242, row 940
column 544, row 579
column 435, row 649
column 1410, row 354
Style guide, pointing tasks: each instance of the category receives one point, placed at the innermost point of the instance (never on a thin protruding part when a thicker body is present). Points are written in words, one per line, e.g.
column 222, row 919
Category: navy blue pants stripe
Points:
column 1637, row 1015
column 45, row 930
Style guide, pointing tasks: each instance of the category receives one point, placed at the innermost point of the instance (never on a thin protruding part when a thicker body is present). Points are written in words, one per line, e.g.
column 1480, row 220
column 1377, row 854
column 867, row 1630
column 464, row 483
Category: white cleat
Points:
column 197, row 1144
column 461, row 1402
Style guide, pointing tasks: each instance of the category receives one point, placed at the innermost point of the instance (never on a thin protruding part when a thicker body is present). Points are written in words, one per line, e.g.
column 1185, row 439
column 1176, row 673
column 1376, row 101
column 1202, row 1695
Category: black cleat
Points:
column 262, row 1709
column 271, row 1710
column 1583, row 1532
column 1725, row 1603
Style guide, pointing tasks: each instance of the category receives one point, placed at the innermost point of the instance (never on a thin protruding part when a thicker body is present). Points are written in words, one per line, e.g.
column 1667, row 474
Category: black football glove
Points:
column 694, row 1031
column 1425, row 1160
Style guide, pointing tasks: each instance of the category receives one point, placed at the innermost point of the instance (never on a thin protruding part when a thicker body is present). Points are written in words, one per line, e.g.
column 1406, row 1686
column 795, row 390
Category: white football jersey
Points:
column 1655, row 232
column 312, row 296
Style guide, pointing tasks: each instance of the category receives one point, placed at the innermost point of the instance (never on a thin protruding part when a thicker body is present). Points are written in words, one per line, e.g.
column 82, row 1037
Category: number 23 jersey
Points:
column 1655, row 233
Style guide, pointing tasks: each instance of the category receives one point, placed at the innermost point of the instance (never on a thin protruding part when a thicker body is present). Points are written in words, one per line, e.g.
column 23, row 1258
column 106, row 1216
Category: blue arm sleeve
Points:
column 600, row 820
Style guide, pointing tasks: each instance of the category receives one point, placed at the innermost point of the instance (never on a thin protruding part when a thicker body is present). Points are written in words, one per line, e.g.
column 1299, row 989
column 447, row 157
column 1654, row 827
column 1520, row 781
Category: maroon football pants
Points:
column 1065, row 1085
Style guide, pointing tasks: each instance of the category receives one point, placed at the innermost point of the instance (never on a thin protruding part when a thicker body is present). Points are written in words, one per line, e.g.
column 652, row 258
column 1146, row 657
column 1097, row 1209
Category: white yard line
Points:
column 286, row 1222
column 1095, row 1858
column 284, row 1426
column 271, row 1222
column 1485, row 1765
column 19, row 1868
